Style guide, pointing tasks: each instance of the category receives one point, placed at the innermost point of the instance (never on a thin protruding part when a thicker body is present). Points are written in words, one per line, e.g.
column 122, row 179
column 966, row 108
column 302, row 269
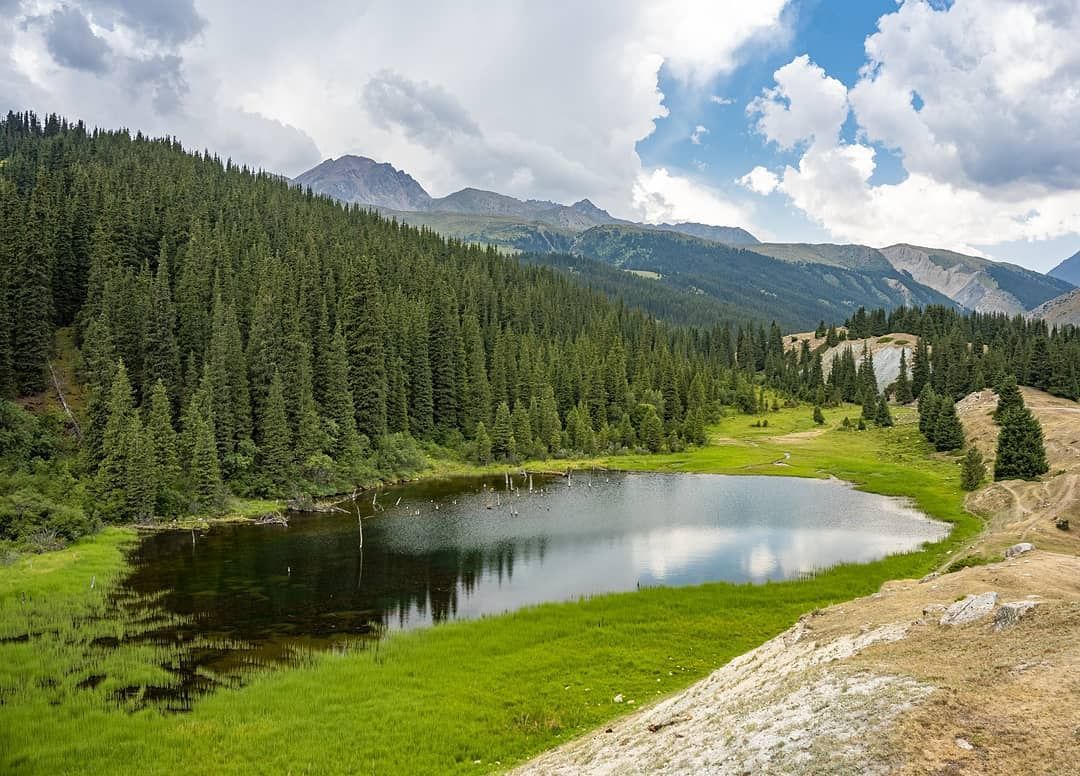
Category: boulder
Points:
column 970, row 609
column 1019, row 549
column 1012, row 612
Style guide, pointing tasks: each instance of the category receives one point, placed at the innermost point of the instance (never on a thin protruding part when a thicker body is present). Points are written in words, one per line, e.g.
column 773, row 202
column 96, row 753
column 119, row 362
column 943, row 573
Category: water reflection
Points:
column 459, row 549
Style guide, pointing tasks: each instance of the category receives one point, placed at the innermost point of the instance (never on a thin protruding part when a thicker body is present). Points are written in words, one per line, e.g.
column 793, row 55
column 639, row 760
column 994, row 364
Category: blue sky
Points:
column 948, row 124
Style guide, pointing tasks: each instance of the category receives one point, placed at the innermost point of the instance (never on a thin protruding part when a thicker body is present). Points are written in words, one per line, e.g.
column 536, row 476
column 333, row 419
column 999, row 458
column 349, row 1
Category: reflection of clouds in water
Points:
column 660, row 553
column 760, row 562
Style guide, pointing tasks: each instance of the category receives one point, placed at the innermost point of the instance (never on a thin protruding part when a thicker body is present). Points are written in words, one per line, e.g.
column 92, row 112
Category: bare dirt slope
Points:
column 879, row 684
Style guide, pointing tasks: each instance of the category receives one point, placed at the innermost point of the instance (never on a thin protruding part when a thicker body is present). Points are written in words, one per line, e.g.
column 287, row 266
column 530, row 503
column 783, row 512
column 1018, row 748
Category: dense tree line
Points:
column 963, row 352
column 240, row 335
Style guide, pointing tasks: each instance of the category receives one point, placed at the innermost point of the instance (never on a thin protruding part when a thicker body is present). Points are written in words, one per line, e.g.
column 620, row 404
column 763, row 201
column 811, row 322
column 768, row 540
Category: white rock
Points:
column 1011, row 613
column 1019, row 549
column 970, row 609
column 618, row 698
column 964, row 744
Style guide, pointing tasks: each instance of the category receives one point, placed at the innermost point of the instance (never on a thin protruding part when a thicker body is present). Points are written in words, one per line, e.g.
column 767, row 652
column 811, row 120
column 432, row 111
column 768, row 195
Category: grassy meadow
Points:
column 466, row 697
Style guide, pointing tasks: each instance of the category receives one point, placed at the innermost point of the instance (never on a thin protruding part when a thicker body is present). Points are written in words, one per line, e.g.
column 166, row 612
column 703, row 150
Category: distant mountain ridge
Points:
column 477, row 215
column 797, row 282
column 1068, row 270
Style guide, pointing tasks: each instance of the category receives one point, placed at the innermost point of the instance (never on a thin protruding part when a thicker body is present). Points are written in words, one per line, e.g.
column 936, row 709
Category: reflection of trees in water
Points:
column 259, row 583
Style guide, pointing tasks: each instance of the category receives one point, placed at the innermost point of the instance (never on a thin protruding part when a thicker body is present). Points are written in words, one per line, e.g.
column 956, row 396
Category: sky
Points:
column 946, row 123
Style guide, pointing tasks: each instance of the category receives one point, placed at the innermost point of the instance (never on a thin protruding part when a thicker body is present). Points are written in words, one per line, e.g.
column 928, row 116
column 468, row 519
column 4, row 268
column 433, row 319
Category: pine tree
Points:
column 502, row 435
column 819, row 416
column 338, row 401
column 652, row 430
column 274, row 439
column 483, row 445
column 973, row 470
column 205, row 467
column 365, row 334
column 928, row 411
column 948, row 433
column 882, row 416
column 523, row 436
column 550, row 429
column 161, row 355
column 443, row 342
column 904, row 394
column 920, row 367
column 141, row 475
column 116, row 443
column 1009, row 398
column 1021, row 453
column 163, row 437
column 31, row 296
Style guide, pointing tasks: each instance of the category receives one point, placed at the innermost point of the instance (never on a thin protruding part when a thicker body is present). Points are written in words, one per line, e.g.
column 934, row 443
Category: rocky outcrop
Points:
column 970, row 609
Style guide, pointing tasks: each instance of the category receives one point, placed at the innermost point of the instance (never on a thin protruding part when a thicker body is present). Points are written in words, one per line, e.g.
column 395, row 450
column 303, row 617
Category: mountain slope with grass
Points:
column 796, row 294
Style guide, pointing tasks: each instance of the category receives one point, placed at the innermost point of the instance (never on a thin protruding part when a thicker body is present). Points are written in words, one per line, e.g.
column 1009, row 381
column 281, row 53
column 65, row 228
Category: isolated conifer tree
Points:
column 1021, row 453
column 882, row 416
column 928, row 411
column 920, row 367
column 903, row 384
column 819, row 416
column 973, row 470
column 948, row 433
column 1009, row 398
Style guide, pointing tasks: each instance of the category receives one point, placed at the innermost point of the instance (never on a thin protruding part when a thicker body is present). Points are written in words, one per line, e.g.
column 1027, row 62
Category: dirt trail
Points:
column 879, row 685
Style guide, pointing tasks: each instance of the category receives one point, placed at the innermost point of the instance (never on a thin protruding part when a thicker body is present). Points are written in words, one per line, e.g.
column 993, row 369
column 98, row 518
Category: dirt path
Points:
column 879, row 685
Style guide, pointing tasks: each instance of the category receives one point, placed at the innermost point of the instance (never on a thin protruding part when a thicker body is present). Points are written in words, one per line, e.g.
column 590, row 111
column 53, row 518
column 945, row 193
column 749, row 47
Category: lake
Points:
column 439, row 550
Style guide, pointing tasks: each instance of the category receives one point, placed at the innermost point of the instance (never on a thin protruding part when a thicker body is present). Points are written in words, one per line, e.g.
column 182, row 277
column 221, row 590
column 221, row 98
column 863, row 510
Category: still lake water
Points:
column 462, row 548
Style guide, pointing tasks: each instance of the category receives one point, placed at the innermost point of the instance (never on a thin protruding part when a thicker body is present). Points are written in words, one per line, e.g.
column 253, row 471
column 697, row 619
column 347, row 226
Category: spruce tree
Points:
column 116, row 443
column 819, row 416
column 162, row 436
column 338, row 401
column 550, row 430
column 920, row 367
column 948, row 432
column 1009, row 398
column 502, row 434
column 483, row 445
column 903, row 384
column 205, row 467
column 274, row 438
column 973, row 470
column 141, row 475
column 928, row 411
column 523, row 435
column 652, row 430
column 365, row 334
column 31, row 296
column 882, row 416
column 1021, row 454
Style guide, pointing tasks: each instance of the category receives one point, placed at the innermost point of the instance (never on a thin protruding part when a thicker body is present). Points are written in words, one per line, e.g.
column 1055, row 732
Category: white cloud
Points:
column 760, row 181
column 550, row 103
column 660, row 196
column 806, row 105
column 980, row 100
column 718, row 100
column 699, row 131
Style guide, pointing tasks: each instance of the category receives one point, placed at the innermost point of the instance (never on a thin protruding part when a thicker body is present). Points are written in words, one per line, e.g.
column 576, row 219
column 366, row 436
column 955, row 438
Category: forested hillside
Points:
column 964, row 352
column 240, row 336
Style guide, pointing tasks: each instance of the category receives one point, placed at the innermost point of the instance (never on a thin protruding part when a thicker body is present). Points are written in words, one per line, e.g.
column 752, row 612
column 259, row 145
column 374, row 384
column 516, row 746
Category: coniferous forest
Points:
column 236, row 335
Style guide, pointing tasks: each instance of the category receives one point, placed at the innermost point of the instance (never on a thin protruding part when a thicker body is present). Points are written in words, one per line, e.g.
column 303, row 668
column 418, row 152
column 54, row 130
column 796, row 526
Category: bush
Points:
column 27, row 513
column 399, row 456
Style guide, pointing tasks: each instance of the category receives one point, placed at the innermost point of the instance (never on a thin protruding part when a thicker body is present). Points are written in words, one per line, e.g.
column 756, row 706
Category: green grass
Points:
column 466, row 697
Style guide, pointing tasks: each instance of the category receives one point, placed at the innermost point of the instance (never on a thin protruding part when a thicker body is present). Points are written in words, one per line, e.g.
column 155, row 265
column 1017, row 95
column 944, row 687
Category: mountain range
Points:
column 797, row 284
